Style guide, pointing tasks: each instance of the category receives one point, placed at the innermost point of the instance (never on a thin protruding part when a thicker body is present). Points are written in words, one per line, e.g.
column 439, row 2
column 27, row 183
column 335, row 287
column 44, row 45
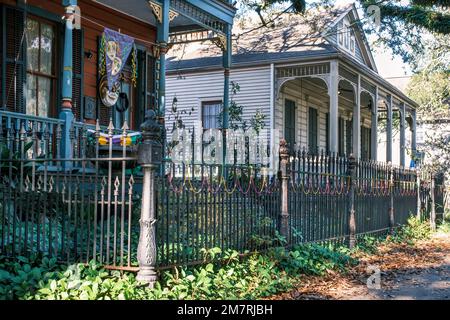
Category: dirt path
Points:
column 419, row 272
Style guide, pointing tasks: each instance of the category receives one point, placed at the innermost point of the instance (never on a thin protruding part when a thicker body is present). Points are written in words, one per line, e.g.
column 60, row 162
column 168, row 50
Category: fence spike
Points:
column 110, row 127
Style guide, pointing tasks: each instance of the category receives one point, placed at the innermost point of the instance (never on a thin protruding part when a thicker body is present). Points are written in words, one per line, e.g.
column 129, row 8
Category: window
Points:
column 312, row 131
column 210, row 114
column 41, row 67
column 289, row 123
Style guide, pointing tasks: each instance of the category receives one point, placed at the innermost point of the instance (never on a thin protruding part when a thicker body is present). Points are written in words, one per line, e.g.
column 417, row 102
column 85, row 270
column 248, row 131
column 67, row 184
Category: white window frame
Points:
column 209, row 100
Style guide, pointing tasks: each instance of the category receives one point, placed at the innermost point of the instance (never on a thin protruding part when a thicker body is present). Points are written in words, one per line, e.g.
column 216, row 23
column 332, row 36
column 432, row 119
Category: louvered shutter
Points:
column 151, row 100
column 341, row 136
column 289, row 123
column 312, row 132
column 13, row 60
column 104, row 113
column 349, row 134
column 77, row 92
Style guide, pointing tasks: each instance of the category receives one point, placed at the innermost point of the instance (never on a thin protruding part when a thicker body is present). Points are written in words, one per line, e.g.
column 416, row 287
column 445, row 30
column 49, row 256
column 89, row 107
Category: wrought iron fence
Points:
column 230, row 207
column 76, row 209
column 88, row 207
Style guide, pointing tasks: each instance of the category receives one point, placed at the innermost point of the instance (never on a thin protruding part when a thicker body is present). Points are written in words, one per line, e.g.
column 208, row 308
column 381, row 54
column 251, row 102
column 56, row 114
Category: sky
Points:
column 390, row 67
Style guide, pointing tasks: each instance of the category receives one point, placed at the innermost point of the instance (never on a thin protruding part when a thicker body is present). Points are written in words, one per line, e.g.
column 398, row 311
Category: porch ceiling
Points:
column 189, row 12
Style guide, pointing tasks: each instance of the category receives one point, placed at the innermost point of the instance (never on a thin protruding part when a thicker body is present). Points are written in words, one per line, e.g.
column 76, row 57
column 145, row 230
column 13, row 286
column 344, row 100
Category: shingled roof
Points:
column 292, row 36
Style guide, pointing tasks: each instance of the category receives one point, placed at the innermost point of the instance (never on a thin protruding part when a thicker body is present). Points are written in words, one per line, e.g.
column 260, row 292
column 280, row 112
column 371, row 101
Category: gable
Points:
column 353, row 42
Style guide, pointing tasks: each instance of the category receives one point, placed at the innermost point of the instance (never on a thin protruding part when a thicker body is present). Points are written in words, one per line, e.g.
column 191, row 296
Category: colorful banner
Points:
column 117, row 50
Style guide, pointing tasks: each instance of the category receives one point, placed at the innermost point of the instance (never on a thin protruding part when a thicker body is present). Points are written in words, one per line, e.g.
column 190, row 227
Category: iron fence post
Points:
column 284, row 216
column 149, row 157
column 351, row 202
column 433, row 204
column 391, row 197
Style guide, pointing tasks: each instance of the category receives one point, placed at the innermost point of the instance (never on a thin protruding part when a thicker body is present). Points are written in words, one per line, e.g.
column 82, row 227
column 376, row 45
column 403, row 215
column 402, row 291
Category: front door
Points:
column 289, row 123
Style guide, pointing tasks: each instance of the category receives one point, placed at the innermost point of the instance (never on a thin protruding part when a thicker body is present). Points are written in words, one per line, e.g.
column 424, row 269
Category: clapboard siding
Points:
column 191, row 89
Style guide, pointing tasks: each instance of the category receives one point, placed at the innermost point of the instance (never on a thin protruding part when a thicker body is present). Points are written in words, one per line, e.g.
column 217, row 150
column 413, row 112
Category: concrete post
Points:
column 284, row 168
column 149, row 157
column 351, row 201
column 433, row 204
column 391, row 197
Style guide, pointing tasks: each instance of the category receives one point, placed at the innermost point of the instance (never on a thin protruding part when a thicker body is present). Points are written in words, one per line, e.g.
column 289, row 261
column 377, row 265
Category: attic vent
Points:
column 346, row 36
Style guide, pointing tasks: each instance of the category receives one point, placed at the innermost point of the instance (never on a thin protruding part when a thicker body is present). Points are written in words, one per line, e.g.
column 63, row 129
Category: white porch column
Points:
column 402, row 134
column 357, row 121
column 389, row 130
column 414, row 134
column 334, row 107
column 374, row 130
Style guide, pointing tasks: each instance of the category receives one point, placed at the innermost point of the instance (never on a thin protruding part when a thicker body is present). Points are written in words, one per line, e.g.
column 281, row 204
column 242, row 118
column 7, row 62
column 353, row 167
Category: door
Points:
column 312, row 131
column 289, row 123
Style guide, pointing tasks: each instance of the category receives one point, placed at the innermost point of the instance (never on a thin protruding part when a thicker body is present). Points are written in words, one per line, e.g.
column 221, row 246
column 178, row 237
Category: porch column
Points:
column 334, row 107
column 389, row 130
column 227, row 56
column 402, row 134
column 414, row 135
column 374, row 130
column 163, row 39
column 357, row 121
column 66, row 113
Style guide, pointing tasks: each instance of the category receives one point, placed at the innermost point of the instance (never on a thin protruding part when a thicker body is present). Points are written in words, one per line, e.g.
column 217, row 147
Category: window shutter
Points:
column 78, row 66
column 312, row 134
column 349, row 134
column 289, row 123
column 13, row 60
column 365, row 143
column 104, row 113
column 341, row 136
column 145, row 86
column 151, row 99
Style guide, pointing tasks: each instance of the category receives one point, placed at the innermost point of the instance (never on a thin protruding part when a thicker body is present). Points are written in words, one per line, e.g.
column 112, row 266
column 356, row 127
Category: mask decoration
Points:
column 115, row 49
column 108, row 97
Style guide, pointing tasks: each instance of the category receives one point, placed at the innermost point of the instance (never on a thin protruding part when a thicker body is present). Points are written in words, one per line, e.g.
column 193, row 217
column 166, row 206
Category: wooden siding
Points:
column 94, row 17
column 194, row 88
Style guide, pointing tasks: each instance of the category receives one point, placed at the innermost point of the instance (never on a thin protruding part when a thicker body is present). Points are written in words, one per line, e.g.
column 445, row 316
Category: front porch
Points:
column 333, row 107
column 73, row 101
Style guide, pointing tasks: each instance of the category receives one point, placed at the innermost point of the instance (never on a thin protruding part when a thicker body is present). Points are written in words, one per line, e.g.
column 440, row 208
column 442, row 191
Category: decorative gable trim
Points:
column 359, row 37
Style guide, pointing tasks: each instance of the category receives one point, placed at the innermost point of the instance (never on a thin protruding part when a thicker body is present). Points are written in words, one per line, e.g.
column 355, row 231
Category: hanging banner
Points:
column 117, row 49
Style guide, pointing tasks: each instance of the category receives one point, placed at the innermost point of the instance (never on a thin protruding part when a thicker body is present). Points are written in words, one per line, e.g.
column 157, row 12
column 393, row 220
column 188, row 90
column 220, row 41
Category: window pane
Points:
column 31, row 95
column 44, row 96
column 47, row 36
column 210, row 113
column 32, row 39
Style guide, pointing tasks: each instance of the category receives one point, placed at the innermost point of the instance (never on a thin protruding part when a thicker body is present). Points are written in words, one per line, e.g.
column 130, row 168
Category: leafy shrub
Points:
column 313, row 259
column 226, row 276
column 413, row 231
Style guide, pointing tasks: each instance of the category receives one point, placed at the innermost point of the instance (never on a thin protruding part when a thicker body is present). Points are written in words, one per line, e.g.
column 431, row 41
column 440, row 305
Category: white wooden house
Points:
column 314, row 77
